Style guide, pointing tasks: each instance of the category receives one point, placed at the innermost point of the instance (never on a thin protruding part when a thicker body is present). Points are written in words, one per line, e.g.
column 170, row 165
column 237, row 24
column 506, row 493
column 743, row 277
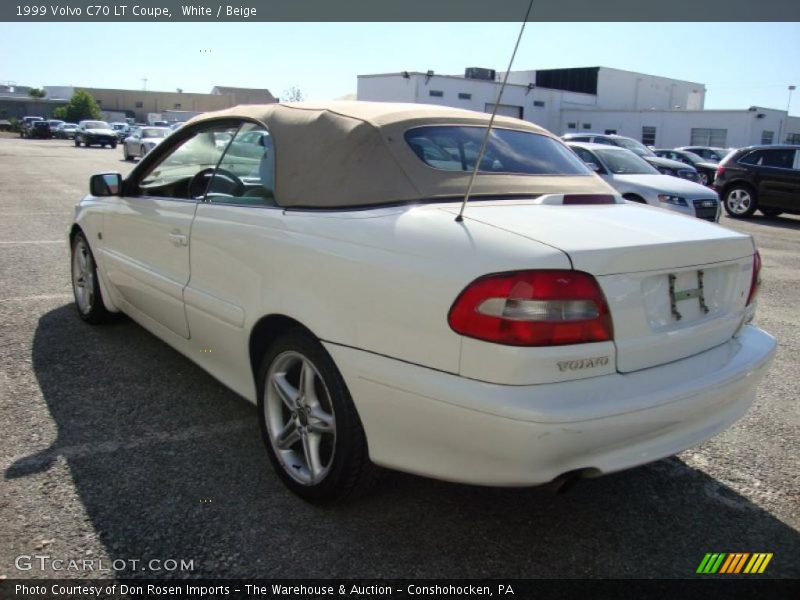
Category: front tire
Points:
column 85, row 284
column 740, row 201
column 77, row 143
column 702, row 178
column 125, row 154
column 309, row 423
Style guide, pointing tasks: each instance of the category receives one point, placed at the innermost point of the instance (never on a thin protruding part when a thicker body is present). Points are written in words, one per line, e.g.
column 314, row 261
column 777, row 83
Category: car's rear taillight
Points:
column 720, row 172
column 533, row 308
column 755, row 281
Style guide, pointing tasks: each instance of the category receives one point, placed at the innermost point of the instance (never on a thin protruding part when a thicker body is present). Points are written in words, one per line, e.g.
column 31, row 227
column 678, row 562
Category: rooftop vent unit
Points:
column 478, row 73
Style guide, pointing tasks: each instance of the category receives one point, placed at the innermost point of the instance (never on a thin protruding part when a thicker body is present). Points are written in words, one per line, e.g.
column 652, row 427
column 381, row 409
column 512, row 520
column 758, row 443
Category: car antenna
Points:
column 479, row 158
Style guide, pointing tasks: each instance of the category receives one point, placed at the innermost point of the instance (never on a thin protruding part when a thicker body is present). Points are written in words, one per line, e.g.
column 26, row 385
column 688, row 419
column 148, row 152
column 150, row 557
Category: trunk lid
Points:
column 675, row 285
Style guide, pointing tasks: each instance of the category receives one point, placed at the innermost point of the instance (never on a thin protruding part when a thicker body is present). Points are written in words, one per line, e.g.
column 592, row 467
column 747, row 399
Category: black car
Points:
column 664, row 165
column 40, row 129
column 705, row 169
column 765, row 178
column 95, row 133
column 710, row 153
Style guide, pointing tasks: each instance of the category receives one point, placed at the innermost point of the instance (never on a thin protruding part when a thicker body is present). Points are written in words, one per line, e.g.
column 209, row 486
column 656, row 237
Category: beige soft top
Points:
column 340, row 154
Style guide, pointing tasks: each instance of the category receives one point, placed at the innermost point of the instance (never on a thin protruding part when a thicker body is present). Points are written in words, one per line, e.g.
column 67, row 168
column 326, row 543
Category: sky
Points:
column 741, row 64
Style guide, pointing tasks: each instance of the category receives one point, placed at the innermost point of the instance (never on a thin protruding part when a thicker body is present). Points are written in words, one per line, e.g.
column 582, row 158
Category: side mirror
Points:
column 593, row 166
column 105, row 184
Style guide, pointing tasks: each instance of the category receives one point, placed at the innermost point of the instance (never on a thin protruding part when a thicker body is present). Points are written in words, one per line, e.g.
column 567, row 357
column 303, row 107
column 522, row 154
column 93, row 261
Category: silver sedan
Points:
column 142, row 140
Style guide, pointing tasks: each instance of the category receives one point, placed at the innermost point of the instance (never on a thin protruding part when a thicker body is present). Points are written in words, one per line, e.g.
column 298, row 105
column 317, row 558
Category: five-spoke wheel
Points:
column 740, row 201
column 312, row 432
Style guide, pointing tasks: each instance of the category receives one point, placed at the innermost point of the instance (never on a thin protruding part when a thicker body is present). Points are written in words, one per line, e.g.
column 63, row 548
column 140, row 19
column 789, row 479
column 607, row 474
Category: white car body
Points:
column 375, row 285
column 697, row 200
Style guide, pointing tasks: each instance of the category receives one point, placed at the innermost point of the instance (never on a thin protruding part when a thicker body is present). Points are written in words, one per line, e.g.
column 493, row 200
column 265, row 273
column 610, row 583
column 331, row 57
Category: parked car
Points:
column 54, row 124
column 95, row 133
column 39, row 129
column 555, row 331
column 66, row 131
column 765, row 178
column 665, row 166
column 706, row 170
column 142, row 140
column 121, row 129
column 636, row 180
column 711, row 153
column 26, row 124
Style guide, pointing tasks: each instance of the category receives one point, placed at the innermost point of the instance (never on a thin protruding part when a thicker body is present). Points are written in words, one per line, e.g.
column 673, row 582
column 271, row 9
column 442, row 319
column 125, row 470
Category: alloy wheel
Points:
column 739, row 201
column 83, row 277
column 300, row 418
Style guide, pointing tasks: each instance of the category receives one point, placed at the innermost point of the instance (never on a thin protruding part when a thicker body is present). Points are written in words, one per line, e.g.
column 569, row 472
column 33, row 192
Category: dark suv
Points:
column 766, row 178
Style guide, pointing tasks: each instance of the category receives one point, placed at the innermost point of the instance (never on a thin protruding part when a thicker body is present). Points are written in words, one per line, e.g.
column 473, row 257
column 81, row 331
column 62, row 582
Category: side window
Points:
column 754, row 158
column 782, row 159
column 184, row 173
column 606, row 141
column 246, row 173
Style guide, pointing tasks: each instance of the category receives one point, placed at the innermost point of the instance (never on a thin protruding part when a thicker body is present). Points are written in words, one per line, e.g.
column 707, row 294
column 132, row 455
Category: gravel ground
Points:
column 115, row 447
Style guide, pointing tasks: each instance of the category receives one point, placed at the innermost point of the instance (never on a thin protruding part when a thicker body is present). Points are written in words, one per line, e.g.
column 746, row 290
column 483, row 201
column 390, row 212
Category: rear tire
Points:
column 77, row 143
column 312, row 432
column 125, row 154
column 740, row 201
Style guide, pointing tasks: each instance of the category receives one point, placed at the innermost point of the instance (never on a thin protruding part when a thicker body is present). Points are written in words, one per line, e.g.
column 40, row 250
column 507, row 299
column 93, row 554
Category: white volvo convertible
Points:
column 309, row 257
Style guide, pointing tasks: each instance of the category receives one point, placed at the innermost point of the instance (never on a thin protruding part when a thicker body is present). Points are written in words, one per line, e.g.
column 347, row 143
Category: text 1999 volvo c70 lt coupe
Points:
column 555, row 331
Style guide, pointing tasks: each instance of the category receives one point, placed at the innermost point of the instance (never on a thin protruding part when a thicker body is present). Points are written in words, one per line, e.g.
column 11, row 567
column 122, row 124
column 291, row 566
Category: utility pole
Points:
column 144, row 84
column 788, row 104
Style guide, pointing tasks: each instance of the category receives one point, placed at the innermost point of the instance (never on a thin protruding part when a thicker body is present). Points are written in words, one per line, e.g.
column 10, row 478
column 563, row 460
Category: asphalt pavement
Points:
column 114, row 448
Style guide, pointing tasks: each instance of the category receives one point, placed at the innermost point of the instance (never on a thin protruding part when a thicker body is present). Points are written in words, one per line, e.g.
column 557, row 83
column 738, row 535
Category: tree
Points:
column 294, row 94
column 37, row 93
column 81, row 106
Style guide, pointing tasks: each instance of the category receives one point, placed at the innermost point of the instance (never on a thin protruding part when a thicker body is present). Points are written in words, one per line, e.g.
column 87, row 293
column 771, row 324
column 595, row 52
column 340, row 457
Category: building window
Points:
column 767, row 136
column 539, row 103
column 649, row 136
column 464, row 96
column 793, row 138
column 587, row 125
column 572, row 126
column 610, row 132
column 176, row 106
column 436, row 93
column 717, row 138
column 139, row 104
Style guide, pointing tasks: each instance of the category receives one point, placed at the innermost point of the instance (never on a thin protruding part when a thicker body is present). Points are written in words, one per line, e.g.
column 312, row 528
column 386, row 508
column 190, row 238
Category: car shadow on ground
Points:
column 169, row 464
column 781, row 222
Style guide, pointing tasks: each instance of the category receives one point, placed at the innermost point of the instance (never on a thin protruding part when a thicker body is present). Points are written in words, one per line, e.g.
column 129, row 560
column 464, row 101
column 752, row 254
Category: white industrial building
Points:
column 658, row 111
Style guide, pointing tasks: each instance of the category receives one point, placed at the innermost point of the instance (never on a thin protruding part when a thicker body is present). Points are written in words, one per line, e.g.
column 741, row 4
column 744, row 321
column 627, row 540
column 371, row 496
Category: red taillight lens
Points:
column 755, row 281
column 720, row 172
column 533, row 308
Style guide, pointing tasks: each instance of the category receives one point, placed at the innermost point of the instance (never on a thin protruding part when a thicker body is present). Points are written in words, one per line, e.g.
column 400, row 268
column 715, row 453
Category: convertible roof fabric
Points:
column 344, row 154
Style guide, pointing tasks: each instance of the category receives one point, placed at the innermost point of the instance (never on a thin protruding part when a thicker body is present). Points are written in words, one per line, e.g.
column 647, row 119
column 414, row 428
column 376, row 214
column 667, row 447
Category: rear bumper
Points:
column 447, row 427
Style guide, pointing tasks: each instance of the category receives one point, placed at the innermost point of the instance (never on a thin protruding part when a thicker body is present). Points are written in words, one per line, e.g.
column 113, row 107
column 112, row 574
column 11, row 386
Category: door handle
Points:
column 178, row 239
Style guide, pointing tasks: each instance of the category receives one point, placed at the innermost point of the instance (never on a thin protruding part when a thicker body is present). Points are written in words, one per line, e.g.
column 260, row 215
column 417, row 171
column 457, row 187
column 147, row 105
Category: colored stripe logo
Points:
column 734, row 563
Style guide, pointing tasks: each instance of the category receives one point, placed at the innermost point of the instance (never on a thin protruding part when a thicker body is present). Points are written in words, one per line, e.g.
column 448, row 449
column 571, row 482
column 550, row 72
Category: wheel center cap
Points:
column 302, row 416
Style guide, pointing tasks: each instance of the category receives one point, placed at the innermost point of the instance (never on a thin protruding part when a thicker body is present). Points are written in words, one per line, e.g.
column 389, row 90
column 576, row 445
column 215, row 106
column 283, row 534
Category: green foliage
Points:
column 81, row 106
column 60, row 112
column 14, row 124
column 36, row 93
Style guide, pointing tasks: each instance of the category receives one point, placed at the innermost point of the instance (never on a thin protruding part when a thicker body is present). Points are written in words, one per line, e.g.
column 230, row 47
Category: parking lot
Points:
column 115, row 447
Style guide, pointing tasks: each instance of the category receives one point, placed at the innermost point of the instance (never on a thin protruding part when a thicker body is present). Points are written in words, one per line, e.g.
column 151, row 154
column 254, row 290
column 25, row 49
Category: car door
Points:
column 146, row 231
column 778, row 179
column 132, row 141
column 238, row 229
